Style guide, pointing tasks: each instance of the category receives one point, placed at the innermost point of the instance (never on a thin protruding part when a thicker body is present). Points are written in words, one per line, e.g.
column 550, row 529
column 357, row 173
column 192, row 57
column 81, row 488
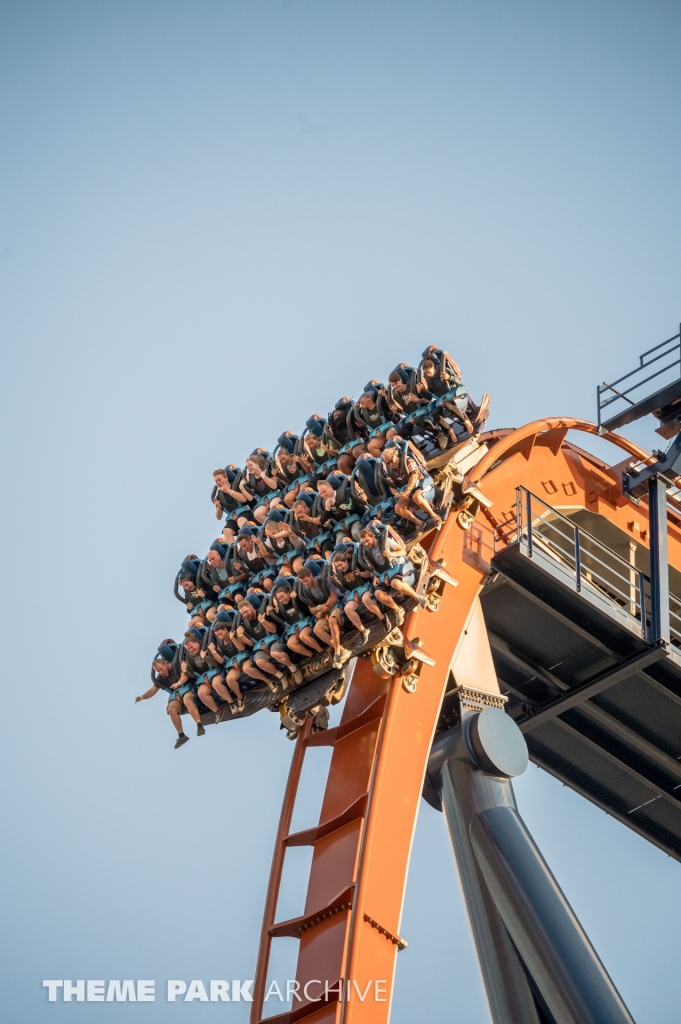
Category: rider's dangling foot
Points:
column 341, row 657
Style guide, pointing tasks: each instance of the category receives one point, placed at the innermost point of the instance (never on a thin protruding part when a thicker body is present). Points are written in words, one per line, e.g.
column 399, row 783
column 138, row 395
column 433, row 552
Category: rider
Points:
column 371, row 410
column 382, row 552
column 440, row 373
column 316, row 449
column 280, row 538
column 202, row 668
column 217, row 572
column 195, row 598
column 442, row 377
column 291, row 615
column 170, row 672
column 409, row 481
column 286, row 465
column 303, row 522
column 252, row 553
column 166, row 673
column 227, row 500
column 222, row 647
column 337, row 425
column 186, row 580
column 407, row 392
column 253, row 662
column 352, row 582
column 259, row 489
column 337, row 501
column 316, row 589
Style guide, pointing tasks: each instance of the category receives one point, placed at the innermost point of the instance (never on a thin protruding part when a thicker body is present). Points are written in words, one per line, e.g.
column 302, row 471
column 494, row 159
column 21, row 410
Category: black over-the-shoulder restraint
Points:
column 176, row 590
column 203, row 578
column 322, row 582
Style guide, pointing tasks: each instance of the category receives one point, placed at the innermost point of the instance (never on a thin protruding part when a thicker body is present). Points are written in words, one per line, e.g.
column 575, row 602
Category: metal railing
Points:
column 668, row 351
column 675, row 621
column 543, row 530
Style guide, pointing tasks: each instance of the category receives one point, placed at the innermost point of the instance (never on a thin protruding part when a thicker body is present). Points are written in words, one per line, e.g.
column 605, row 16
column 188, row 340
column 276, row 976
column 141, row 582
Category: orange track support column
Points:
column 349, row 932
column 350, row 929
column 404, row 745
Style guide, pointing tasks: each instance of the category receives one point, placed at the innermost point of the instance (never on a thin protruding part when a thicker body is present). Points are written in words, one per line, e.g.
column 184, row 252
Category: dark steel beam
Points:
column 507, row 986
column 523, row 661
column 636, row 411
column 562, row 775
column 591, row 687
column 655, row 789
column 586, row 634
column 607, row 722
column 629, row 736
column 663, row 688
column 598, row 715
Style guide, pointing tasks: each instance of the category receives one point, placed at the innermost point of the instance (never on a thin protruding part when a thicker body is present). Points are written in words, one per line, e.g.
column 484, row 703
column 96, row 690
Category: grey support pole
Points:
column 536, row 961
column 659, row 565
column 508, row 992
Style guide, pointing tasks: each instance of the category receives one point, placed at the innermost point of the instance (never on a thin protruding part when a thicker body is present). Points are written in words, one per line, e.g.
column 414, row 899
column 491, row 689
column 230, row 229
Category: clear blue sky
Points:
column 218, row 217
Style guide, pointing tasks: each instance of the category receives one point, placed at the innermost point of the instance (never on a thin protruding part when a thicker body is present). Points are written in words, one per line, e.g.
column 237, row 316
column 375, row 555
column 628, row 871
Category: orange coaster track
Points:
column 350, row 928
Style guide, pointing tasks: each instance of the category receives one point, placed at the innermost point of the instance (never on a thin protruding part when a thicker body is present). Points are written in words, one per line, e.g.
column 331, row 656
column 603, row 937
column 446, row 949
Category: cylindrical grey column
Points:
column 554, row 947
column 523, row 926
column 508, row 993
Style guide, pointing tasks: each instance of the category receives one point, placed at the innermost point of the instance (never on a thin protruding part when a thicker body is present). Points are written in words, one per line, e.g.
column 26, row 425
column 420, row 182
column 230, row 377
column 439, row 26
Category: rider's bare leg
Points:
column 190, row 703
column 207, row 697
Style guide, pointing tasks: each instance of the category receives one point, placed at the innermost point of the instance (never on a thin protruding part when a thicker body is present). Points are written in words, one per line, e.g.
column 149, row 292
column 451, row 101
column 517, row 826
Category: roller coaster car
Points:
column 312, row 701
column 390, row 652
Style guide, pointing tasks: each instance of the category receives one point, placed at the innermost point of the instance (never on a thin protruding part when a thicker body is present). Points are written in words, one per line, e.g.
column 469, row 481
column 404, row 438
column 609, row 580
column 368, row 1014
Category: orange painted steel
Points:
column 350, row 926
column 509, row 442
column 278, row 862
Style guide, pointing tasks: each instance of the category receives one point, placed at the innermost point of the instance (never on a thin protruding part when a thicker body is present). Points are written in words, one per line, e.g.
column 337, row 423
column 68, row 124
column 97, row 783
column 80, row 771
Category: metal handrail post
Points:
column 642, row 602
column 528, row 504
column 598, row 405
column 659, row 566
column 578, row 565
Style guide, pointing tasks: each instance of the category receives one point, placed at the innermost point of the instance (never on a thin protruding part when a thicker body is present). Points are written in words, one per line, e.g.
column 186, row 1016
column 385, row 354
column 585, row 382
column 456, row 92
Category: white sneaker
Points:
column 342, row 656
